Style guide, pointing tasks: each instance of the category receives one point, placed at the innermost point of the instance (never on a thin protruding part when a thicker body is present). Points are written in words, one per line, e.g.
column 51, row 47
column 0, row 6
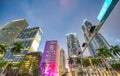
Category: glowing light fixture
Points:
column 106, row 9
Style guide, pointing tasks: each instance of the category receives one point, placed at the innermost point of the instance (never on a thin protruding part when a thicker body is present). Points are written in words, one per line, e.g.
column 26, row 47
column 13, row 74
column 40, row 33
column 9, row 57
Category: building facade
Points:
column 31, row 64
column 73, row 52
column 50, row 59
column 97, row 41
column 30, row 39
column 62, row 68
column 73, row 45
column 10, row 31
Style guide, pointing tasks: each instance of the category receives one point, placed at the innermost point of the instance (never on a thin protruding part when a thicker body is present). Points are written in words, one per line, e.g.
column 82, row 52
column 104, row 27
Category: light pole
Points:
column 102, row 16
column 93, row 35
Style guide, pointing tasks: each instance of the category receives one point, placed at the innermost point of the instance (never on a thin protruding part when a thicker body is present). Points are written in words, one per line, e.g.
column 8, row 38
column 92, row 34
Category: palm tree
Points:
column 96, row 63
column 86, row 64
column 78, row 61
column 103, row 53
column 9, row 67
column 17, row 48
column 19, row 64
column 2, row 63
column 2, row 52
column 70, row 61
column 2, row 49
column 115, row 50
column 116, row 66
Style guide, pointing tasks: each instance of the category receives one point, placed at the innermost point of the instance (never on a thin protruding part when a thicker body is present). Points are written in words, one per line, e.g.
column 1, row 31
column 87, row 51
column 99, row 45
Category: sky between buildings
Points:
column 59, row 17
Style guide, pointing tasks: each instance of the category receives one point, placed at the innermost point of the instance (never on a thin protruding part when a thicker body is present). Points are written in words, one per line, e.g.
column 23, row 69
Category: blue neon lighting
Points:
column 104, row 9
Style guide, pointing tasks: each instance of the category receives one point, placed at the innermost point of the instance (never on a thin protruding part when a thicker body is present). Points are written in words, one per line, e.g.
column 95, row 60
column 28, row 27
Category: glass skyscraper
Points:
column 73, row 45
column 73, row 52
column 10, row 31
column 30, row 39
column 50, row 59
column 97, row 41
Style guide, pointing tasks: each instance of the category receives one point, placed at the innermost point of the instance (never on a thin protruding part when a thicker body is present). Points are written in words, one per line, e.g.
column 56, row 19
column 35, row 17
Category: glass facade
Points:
column 73, row 45
column 11, row 30
column 30, row 39
column 50, row 59
column 73, row 51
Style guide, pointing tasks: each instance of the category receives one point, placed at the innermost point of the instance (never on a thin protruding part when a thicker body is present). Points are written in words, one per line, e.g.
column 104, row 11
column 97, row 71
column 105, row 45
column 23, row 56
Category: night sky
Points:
column 59, row 17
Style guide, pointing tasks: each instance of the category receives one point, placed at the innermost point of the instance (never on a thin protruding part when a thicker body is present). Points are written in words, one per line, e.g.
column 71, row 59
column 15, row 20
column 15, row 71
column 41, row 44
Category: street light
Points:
column 93, row 35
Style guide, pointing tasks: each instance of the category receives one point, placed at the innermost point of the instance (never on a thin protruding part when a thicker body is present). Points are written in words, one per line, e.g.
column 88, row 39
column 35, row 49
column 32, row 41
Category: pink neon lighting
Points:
column 49, row 62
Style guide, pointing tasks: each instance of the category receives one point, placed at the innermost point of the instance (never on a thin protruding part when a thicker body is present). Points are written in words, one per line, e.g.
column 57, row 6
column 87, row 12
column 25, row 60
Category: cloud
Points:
column 65, row 3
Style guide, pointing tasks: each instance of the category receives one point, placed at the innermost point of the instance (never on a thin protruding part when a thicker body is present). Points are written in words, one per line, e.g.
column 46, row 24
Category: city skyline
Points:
column 58, row 17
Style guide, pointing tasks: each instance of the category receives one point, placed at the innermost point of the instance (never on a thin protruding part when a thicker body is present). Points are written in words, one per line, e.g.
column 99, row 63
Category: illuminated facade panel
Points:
column 106, row 9
column 50, row 59
column 31, row 64
column 10, row 31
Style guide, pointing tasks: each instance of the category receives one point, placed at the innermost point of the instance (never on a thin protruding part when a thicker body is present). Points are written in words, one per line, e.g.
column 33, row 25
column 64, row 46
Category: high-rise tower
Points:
column 30, row 39
column 50, row 59
column 73, row 52
column 73, row 45
column 10, row 31
column 62, row 64
column 97, row 41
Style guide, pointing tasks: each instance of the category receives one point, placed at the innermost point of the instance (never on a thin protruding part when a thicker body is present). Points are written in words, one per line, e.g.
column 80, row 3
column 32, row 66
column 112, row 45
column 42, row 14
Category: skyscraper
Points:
column 97, row 41
column 30, row 39
column 73, row 45
column 62, row 64
column 50, row 59
column 10, row 31
column 73, row 52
